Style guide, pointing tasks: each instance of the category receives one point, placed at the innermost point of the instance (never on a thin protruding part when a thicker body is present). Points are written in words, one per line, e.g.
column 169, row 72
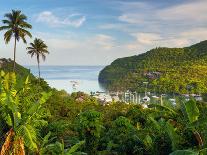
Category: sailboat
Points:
column 146, row 98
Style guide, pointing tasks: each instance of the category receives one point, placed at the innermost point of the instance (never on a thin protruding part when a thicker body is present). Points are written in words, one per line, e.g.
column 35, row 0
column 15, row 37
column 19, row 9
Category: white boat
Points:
column 155, row 97
column 146, row 99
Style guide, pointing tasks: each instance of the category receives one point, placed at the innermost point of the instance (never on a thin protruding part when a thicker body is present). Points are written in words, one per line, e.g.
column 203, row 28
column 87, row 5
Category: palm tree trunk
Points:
column 38, row 62
column 14, row 63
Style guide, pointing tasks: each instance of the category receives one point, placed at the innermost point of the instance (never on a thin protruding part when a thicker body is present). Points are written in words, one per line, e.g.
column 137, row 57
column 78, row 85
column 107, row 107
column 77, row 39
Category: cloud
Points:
column 136, row 12
column 146, row 41
column 153, row 24
column 200, row 33
column 143, row 47
column 87, row 50
column 131, row 18
column 99, row 41
column 186, row 13
column 103, row 41
column 146, row 38
column 75, row 20
column 191, row 12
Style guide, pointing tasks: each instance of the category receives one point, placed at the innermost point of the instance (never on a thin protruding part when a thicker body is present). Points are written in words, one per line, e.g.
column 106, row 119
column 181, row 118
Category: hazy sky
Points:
column 95, row 32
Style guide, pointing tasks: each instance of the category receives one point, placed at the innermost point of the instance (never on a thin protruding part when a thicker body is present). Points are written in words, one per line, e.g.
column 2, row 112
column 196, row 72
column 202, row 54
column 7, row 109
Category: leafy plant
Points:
column 23, row 113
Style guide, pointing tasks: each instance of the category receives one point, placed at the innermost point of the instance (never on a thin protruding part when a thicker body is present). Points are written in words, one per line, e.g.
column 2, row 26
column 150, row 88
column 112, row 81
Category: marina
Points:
column 142, row 98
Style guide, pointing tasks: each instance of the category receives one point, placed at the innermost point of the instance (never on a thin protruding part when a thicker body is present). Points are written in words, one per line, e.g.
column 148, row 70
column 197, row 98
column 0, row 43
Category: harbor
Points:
column 129, row 97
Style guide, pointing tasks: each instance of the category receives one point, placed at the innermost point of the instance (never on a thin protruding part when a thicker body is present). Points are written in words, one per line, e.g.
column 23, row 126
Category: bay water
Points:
column 71, row 78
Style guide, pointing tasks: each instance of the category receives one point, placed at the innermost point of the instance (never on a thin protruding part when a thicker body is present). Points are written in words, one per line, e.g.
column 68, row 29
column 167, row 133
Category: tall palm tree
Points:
column 16, row 26
column 39, row 49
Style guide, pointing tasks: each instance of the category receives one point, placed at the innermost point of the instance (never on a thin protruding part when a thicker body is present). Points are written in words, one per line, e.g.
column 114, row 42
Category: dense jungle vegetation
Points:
column 168, row 70
column 36, row 119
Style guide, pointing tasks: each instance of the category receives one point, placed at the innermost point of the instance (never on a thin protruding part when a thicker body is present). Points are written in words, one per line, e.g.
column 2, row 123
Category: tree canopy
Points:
column 168, row 70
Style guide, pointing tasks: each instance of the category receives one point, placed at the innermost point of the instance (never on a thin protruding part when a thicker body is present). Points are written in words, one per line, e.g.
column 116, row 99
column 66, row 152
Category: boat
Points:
column 146, row 99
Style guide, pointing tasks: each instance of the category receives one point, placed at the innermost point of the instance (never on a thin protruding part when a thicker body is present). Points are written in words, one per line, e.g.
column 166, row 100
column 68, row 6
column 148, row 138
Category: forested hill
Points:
column 175, row 70
column 22, row 73
column 7, row 66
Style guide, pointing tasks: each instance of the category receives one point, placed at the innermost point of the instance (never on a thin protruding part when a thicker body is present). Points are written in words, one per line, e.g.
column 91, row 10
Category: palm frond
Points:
column 43, row 57
column 7, row 36
column 74, row 148
column 9, row 16
column 31, row 52
column 38, row 48
column 32, row 45
column 5, row 21
column 30, row 48
column 46, row 139
column 25, row 32
column 29, row 135
column 17, row 26
column 22, row 16
column 24, row 24
column 4, row 28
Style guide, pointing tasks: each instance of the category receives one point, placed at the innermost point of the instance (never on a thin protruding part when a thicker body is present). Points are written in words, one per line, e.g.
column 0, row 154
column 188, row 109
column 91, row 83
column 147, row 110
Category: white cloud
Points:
column 104, row 41
column 191, row 12
column 131, row 18
column 88, row 50
column 147, row 38
column 174, row 42
column 155, row 25
column 147, row 41
column 175, row 17
column 196, row 34
column 75, row 20
column 144, row 41
column 136, row 12
column 139, row 47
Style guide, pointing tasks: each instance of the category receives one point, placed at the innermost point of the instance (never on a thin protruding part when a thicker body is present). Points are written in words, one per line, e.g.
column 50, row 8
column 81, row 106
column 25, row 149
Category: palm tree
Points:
column 39, row 49
column 16, row 26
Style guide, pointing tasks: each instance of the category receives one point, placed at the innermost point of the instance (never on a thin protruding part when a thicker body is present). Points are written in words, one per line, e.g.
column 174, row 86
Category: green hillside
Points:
column 22, row 73
column 7, row 66
column 168, row 70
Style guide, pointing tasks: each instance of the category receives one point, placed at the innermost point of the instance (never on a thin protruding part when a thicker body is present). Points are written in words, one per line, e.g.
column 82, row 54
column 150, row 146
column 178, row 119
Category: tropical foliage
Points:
column 40, row 120
column 15, row 26
column 168, row 70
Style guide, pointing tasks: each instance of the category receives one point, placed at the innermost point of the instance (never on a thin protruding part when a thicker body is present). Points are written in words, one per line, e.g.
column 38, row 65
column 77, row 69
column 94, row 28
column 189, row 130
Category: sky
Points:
column 96, row 32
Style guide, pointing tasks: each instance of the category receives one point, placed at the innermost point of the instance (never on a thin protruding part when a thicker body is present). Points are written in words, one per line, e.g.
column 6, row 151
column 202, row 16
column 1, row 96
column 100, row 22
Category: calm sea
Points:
column 71, row 78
